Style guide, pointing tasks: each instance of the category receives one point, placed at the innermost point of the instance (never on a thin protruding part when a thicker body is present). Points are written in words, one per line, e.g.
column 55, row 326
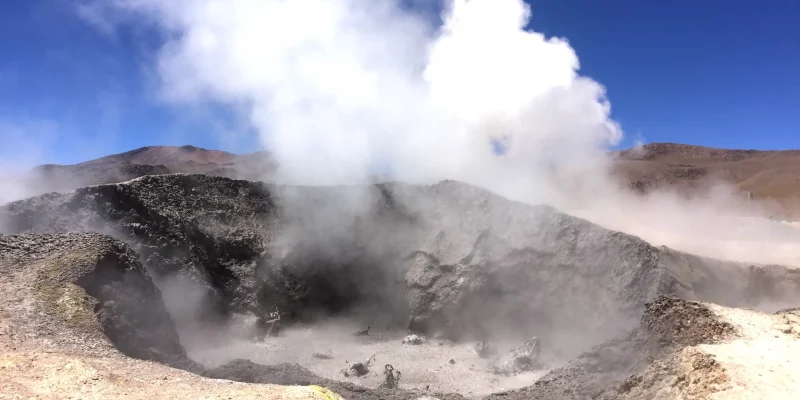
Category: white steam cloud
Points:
column 343, row 89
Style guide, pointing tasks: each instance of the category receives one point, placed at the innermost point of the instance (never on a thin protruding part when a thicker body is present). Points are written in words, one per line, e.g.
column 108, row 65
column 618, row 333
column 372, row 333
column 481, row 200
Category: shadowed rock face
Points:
column 94, row 286
column 447, row 257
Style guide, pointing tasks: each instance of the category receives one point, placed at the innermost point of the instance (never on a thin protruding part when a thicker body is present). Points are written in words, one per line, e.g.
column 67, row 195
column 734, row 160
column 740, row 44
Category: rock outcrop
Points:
column 669, row 328
column 84, row 290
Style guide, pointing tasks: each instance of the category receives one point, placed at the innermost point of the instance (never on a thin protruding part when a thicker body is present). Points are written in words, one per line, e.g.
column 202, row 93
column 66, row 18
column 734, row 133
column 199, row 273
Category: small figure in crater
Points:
column 363, row 332
column 268, row 325
column 273, row 323
column 391, row 378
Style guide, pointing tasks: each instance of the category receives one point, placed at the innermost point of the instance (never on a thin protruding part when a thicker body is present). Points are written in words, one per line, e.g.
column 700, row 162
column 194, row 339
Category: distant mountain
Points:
column 773, row 175
column 151, row 160
column 675, row 152
column 167, row 155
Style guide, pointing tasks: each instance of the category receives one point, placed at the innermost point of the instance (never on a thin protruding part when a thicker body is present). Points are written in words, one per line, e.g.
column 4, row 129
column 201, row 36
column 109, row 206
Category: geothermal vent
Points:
column 302, row 285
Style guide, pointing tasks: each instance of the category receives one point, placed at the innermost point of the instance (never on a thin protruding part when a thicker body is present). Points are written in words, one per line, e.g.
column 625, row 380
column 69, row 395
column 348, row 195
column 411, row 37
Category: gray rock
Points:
column 483, row 348
column 522, row 359
column 414, row 340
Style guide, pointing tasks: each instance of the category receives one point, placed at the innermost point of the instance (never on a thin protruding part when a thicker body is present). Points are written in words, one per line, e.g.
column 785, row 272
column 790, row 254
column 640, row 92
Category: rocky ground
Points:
column 82, row 319
column 34, row 374
column 72, row 305
column 207, row 257
column 684, row 350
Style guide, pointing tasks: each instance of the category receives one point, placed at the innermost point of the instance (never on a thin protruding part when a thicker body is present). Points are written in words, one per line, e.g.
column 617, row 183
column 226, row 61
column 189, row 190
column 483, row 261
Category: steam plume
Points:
column 341, row 89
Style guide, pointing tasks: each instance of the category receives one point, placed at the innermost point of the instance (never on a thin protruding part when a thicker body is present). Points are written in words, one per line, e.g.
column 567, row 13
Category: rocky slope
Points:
column 70, row 302
column 449, row 260
column 684, row 350
column 689, row 169
column 88, row 284
column 451, row 257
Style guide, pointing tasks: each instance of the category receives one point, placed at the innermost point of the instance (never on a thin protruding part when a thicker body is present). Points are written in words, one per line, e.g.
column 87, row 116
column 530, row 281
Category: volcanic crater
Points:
column 191, row 271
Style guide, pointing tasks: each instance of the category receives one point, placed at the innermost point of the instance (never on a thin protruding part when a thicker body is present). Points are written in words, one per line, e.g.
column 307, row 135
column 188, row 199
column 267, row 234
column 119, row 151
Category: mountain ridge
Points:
column 766, row 175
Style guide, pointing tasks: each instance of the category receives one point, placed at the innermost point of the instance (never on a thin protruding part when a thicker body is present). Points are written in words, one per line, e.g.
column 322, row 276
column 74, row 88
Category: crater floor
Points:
column 424, row 367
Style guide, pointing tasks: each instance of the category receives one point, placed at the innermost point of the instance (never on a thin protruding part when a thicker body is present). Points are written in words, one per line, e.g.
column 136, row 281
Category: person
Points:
column 273, row 323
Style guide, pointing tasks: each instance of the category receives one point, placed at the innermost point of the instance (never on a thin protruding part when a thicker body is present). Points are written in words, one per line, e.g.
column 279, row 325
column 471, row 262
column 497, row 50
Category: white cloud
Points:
column 98, row 14
column 339, row 88
column 336, row 87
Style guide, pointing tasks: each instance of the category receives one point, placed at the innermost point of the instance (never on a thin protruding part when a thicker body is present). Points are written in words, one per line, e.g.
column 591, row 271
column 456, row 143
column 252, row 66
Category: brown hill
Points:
column 151, row 160
column 170, row 155
column 188, row 159
column 764, row 175
column 769, row 175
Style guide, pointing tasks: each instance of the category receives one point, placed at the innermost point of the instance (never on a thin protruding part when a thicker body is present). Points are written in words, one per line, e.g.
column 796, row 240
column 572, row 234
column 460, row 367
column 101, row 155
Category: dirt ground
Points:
column 758, row 362
column 764, row 360
column 33, row 374
column 52, row 344
column 424, row 367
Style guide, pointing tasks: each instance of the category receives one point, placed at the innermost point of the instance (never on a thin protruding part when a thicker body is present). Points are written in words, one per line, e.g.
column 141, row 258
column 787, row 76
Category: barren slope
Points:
column 34, row 374
column 151, row 160
column 68, row 303
column 770, row 175
column 684, row 350
column 452, row 257
column 447, row 260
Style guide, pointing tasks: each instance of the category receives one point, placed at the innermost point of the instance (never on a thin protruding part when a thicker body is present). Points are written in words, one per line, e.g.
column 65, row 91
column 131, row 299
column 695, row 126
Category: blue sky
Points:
column 710, row 72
